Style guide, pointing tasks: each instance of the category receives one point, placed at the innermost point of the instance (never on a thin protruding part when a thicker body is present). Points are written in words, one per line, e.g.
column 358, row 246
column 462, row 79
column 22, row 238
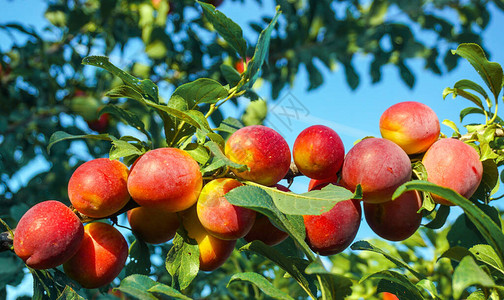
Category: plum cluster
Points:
column 168, row 187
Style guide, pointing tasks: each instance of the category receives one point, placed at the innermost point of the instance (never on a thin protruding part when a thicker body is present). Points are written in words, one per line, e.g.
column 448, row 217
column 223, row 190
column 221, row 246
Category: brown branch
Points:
column 6, row 241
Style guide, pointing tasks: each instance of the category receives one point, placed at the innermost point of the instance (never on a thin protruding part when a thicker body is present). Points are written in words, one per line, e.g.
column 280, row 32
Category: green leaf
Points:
column 470, row 111
column 139, row 255
column 310, row 203
column 459, row 92
column 124, row 91
column 429, row 286
column 203, row 90
column 230, row 74
column 127, row 117
column 69, row 294
column 453, row 126
column 59, row 136
column 229, row 30
column 295, row 267
column 182, row 261
column 262, row 283
column 487, row 255
column 184, row 116
column 165, row 290
column 198, row 153
column 364, row 245
column 147, row 89
column 440, row 218
column 456, row 253
column 485, row 225
column 137, row 286
column 261, row 51
column 219, row 155
column 467, row 274
column 122, row 148
column 468, row 84
column 336, row 286
column 229, row 125
column 490, row 72
column 258, row 199
column 395, row 283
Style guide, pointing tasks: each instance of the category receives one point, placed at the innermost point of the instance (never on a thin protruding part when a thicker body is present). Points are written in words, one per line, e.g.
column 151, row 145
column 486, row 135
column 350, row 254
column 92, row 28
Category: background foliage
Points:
column 44, row 88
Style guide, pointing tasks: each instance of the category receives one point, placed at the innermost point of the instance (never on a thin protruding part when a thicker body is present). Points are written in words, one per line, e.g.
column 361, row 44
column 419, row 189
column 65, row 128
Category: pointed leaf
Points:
column 262, row 283
column 468, row 84
column 165, row 290
column 335, row 285
column 490, row 72
column 126, row 116
column 59, row 136
column 467, row 274
column 146, row 87
column 139, row 259
column 137, row 285
column 229, row 30
column 261, row 51
column 364, row 245
column 69, row 294
column 395, row 283
column 487, row 255
column 486, row 226
column 295, row 267
column 203, row 90
column 182, row 261
column 229, row 125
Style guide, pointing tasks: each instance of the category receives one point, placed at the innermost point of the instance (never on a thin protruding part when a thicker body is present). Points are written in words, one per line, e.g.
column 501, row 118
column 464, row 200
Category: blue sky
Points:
column 353, row 114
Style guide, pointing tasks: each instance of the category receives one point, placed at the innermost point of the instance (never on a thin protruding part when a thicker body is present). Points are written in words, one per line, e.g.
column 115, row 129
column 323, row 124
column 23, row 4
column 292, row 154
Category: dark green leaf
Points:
column 440, row 218
column 459, row 92
column 485, row 225
column 258, row 199
column 467, row 274
column 69, row 294
column 295, row 267
column 203, row 90
column 364, row 245
column 336, row 286
column 229, row 30
column 406, row 74
column 182, row 261
column 124, row 91
column 310, row 203
column 139, row 259
column 230, row 74
column 468, row 84
column 261, row 51
column 137, row 286
column 126, row 116
column 397, row 284
column 146, row 87
column 490, row 72
column 229, row 125
column 455, row 253
column 59, row 136
column 262, row 283
column 163, row 289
